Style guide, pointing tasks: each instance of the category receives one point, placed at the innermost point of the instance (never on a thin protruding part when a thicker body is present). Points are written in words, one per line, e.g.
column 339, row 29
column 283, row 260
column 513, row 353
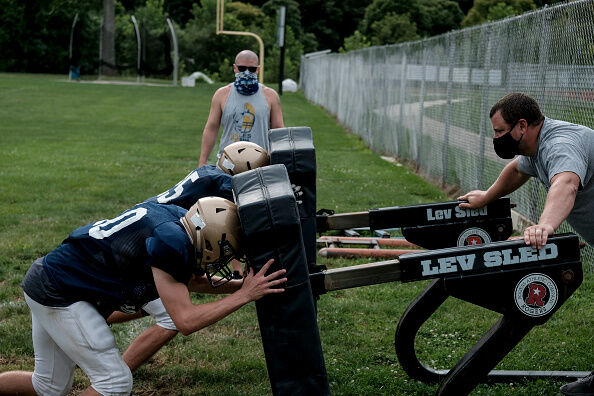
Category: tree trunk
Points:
column 108, row 64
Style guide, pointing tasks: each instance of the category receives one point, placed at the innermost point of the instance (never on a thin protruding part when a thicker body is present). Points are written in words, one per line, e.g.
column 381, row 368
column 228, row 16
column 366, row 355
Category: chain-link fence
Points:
column 428, row 101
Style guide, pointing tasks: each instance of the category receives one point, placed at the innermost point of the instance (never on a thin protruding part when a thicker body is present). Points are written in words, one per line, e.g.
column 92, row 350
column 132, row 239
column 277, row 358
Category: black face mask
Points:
column 506, row 146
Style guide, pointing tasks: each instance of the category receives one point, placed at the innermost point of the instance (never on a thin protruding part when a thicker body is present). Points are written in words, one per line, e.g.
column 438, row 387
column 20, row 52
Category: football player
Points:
column 207, row 180
column 149, row 251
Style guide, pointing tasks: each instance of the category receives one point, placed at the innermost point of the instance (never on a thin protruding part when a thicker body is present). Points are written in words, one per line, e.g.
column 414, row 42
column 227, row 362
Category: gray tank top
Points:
column 245, row 118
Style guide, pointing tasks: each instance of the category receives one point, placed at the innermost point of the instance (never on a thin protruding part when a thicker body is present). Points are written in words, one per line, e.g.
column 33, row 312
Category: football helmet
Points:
column 213, row 224
column 242, row 156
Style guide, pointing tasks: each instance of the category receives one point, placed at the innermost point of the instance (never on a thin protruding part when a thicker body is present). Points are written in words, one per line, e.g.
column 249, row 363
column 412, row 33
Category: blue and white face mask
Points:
column 246, row 82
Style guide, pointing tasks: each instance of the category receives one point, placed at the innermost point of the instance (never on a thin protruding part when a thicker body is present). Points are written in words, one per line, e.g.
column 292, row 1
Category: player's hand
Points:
column 476, row 199
column 258, row 285
column 536, row 235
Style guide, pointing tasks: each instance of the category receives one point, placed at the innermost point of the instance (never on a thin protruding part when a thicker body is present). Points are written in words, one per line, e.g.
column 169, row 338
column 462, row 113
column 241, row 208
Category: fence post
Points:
column 403, row 74
column 451, row 44
column 486, row 55
column 542, row 94
column 419, row 145
column 543, row 57
column 100, row 48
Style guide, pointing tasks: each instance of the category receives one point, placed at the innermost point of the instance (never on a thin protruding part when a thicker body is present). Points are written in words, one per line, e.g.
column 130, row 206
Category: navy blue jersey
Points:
column 206, row 181
column 108, row 263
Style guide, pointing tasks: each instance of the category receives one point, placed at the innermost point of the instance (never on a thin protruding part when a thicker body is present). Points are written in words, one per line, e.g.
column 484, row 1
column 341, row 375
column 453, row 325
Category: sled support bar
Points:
column 342, row 221
column 355, row 276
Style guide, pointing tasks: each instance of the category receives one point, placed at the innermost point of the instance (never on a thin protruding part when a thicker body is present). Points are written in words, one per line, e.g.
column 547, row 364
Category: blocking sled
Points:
column 271, row 226
column 526, row 286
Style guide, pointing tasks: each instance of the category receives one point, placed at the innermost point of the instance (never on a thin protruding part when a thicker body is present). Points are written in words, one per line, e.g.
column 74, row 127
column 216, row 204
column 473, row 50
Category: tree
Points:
column 108, row 60
column 480, row 11
column 327, row 23
column 429, row 17
column 379, row 9
column 500, row 11
column 354, row 42
column 392, row 29
column 439, row 16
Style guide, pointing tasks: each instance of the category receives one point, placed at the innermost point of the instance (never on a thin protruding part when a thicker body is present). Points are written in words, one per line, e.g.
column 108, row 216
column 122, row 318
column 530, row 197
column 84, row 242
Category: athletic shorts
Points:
column 64, row 337
column 157, row 310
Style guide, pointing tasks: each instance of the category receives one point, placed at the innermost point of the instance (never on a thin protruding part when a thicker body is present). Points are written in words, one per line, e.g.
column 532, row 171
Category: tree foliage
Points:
column 354, row 42
column 489, row 10
column 393, row 28
column 395, row 21
column 35, row 34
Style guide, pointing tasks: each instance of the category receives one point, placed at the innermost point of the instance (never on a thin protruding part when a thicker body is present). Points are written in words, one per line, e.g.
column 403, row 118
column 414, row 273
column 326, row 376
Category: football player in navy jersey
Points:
column 207, row 180
column 210, row 180
column 150, row 251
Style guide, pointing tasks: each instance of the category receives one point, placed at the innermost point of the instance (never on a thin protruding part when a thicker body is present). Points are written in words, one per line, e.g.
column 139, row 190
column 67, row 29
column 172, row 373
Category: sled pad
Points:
column 271, row 227
column 293, row 147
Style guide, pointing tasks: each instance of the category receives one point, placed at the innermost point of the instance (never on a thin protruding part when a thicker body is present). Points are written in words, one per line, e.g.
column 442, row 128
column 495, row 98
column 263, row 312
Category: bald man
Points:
column 246, row 109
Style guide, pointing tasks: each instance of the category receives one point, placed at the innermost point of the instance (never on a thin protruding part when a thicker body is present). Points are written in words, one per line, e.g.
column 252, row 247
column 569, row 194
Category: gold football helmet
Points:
column 213, row 224
column 242, row 156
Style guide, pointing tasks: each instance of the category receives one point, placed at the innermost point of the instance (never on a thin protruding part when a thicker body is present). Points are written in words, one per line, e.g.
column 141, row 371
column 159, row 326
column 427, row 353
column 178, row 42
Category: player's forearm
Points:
column 204, row 315
column 201, row 285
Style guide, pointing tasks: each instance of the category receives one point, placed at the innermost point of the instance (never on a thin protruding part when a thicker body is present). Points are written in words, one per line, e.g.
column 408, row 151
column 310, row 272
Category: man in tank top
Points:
column 246, row 109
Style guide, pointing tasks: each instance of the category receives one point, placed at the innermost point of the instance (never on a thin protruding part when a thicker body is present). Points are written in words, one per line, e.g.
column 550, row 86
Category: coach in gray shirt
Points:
column 561, row 155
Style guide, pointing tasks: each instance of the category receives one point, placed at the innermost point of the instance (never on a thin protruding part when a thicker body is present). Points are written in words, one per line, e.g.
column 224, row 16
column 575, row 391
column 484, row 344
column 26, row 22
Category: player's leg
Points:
column 152, row 339
column 54, row 370
column 17, row 383
column 84, row 336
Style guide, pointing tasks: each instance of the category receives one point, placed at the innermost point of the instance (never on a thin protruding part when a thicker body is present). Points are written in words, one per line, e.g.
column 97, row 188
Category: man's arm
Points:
column 189, row 318
column 276, row 114
column 211, row 129
column 509, row 180
column 558, row 205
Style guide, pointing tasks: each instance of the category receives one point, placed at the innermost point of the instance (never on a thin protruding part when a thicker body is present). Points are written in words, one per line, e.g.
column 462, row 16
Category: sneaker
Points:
column 581, row 387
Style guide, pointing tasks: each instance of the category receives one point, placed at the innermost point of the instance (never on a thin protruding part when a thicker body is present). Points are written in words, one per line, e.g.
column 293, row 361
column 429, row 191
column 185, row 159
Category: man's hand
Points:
column 256, row 286
column 476, row 199
column 536, row 235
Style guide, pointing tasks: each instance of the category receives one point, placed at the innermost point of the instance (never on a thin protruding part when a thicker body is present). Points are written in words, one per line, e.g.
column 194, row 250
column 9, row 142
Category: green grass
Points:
column 71, row 153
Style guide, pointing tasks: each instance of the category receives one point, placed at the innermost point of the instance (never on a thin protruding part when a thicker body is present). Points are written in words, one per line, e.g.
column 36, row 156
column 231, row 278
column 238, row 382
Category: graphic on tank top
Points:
column 244, row 118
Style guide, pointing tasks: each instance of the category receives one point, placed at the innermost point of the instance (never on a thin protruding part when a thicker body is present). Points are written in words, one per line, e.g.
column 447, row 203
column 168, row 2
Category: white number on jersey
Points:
column 178, row 189
column 104, row 228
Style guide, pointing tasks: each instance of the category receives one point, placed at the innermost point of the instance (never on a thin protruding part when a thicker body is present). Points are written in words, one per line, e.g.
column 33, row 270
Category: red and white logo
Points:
column 473, row 236
column 536, row 295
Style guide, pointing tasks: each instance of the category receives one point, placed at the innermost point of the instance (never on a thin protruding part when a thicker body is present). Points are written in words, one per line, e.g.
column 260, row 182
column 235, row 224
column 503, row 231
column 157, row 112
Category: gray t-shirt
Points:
column 566, row 147
column 245, row 118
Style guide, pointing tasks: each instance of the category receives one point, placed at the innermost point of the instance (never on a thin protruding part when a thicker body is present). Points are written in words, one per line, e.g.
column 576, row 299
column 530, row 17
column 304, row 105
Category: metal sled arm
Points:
column 355, row 276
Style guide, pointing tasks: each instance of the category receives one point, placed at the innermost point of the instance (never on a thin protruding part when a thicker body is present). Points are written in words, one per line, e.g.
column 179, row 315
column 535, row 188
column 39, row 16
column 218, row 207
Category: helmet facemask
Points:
column 219, row 272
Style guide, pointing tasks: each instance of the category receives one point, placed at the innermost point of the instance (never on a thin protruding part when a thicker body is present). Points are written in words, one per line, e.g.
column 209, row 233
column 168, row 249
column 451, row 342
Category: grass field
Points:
column 72, row 153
